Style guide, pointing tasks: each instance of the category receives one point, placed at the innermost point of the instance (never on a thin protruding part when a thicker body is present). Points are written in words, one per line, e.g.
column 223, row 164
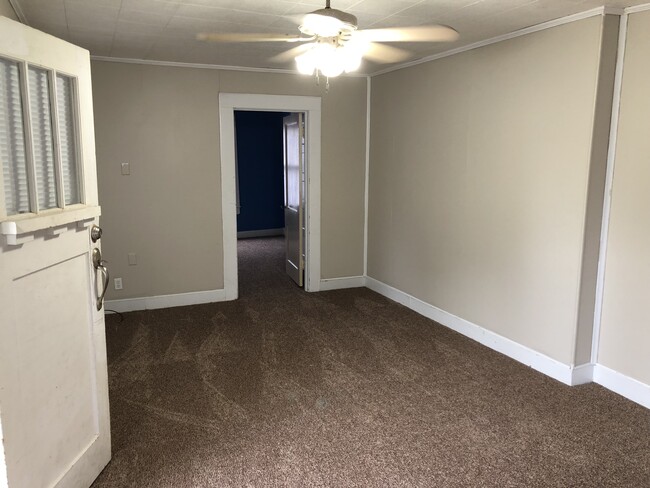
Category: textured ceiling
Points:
column 165, row 30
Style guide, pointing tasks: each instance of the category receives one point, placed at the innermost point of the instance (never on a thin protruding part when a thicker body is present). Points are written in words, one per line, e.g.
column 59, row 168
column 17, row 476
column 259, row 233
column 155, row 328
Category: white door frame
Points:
column 311, row 106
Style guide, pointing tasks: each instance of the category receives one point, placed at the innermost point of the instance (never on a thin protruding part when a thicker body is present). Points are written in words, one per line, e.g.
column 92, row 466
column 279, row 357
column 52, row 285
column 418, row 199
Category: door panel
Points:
column 52, row 363
column 53, row 377
column 294, row 196
column 56, row 385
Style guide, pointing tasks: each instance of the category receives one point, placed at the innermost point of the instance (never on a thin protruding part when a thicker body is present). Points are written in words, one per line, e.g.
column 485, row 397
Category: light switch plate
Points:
column 133, row 259
column 126, row 169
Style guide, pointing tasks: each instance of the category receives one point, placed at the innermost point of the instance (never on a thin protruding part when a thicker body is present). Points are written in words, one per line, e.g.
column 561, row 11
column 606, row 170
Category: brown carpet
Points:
column 346, row 388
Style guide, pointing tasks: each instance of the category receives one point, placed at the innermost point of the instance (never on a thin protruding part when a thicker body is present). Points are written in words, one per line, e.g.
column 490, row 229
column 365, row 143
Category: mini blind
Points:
column 40, row 167
column 67, row 139
column 12, row 140
column 42, row 139
column 292, row 168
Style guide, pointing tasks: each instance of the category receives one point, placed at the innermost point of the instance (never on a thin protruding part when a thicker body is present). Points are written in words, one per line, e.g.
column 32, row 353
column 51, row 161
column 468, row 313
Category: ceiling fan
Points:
column 330, row 42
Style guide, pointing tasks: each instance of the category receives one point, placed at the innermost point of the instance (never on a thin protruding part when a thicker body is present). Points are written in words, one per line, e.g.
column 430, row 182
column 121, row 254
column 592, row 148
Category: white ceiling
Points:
column 165, row 30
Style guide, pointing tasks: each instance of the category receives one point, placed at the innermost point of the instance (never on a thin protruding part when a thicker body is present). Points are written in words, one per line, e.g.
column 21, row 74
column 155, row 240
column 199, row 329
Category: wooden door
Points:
column 294, row 186
column 53, row 375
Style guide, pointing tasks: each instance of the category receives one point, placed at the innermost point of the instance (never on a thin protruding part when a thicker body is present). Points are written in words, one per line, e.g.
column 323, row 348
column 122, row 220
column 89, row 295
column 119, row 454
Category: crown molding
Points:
column 15, row 4
column 637, row 9
column 512, row 35
column 176, row 64
column 19, row 11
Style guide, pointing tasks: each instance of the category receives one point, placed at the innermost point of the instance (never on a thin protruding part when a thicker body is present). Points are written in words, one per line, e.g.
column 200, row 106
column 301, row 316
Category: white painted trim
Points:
column 165, row 301
column 3, row 464
column 623, row 385
column 637, row 8
column 228, row 200
column 366, row 195
column 582, row 374
column 511, row 35
column 570, row 375
column 613, row 11
column 536, row 360
column 178, row 64
column 245, row 234
column 311, row 106
column 342, row 283
column 609, row 182
column 278, row 103
column 18, row 11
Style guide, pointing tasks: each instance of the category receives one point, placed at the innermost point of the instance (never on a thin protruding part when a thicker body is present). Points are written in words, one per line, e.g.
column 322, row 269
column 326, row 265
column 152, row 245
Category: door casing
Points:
column 311, row 107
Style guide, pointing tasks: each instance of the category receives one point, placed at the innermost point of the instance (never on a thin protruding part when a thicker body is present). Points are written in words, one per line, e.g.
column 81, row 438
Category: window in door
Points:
column 39, row 140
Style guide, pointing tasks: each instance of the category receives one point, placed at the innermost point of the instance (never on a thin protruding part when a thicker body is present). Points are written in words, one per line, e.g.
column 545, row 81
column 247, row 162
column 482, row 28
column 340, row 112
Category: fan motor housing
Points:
column 349, row 21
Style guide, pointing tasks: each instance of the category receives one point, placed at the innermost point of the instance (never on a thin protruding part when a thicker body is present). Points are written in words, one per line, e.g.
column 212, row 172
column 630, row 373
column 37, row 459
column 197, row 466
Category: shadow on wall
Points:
column 260, row 172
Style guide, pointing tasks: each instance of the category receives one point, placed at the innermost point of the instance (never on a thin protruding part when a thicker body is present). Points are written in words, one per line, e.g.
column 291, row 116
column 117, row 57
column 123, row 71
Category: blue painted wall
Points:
column 261, row 176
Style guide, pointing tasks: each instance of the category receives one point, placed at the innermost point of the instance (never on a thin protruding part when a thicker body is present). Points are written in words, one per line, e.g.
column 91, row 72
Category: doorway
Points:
column 311, row 107
column 259, row 173
column 270, row 184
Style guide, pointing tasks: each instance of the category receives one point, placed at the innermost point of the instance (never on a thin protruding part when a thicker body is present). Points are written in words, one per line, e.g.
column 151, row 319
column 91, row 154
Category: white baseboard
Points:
column 623, row 385
column 342, row 283
column 245, row 234
column 165, row 301
column 619, row 383
column 583, row 374
column 538, row 361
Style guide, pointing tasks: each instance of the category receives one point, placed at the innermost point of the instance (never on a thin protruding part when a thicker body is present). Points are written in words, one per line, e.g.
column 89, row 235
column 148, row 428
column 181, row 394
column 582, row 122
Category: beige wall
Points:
column 164, row 122
column 478, row 182
column 6, row 10
column 625, row 326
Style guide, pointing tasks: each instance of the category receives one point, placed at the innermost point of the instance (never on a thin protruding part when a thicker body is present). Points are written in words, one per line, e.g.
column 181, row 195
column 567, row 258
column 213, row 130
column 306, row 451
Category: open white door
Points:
column 294, row 196
column 53, row 377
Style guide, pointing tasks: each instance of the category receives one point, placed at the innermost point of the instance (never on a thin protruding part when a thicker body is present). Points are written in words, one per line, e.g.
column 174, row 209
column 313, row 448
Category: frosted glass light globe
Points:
column 306, row 62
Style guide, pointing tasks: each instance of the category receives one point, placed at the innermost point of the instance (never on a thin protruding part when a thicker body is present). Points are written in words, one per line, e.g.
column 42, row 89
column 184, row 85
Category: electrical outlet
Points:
column 117, row 282
column 133, row 260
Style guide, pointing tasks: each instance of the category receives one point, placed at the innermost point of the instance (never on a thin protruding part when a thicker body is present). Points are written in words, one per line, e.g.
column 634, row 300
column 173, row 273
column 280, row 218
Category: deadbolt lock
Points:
column 95, row 233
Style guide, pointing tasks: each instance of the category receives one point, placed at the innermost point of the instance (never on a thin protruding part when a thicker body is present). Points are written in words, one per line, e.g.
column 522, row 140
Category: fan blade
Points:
column 423, row 33
column 380, row 53
column 291, row 54
column 250, row 37
column 296, row 19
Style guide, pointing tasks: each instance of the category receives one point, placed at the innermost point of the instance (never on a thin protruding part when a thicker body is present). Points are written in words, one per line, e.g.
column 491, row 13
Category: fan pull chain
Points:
column 327, row 81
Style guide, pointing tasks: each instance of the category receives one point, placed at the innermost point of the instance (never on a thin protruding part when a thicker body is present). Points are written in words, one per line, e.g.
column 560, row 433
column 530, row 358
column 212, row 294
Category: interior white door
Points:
column 294, row 196
column 53, row 375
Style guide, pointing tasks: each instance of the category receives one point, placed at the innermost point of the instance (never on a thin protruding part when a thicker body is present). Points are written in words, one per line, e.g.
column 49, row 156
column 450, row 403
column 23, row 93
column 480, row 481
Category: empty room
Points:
column 324, row 243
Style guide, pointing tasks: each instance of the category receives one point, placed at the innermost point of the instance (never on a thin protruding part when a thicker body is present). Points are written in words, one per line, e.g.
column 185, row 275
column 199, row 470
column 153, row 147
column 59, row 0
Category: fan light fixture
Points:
column 334, row 50
column 321, row 25
column 331, row 59
column 330, row 43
